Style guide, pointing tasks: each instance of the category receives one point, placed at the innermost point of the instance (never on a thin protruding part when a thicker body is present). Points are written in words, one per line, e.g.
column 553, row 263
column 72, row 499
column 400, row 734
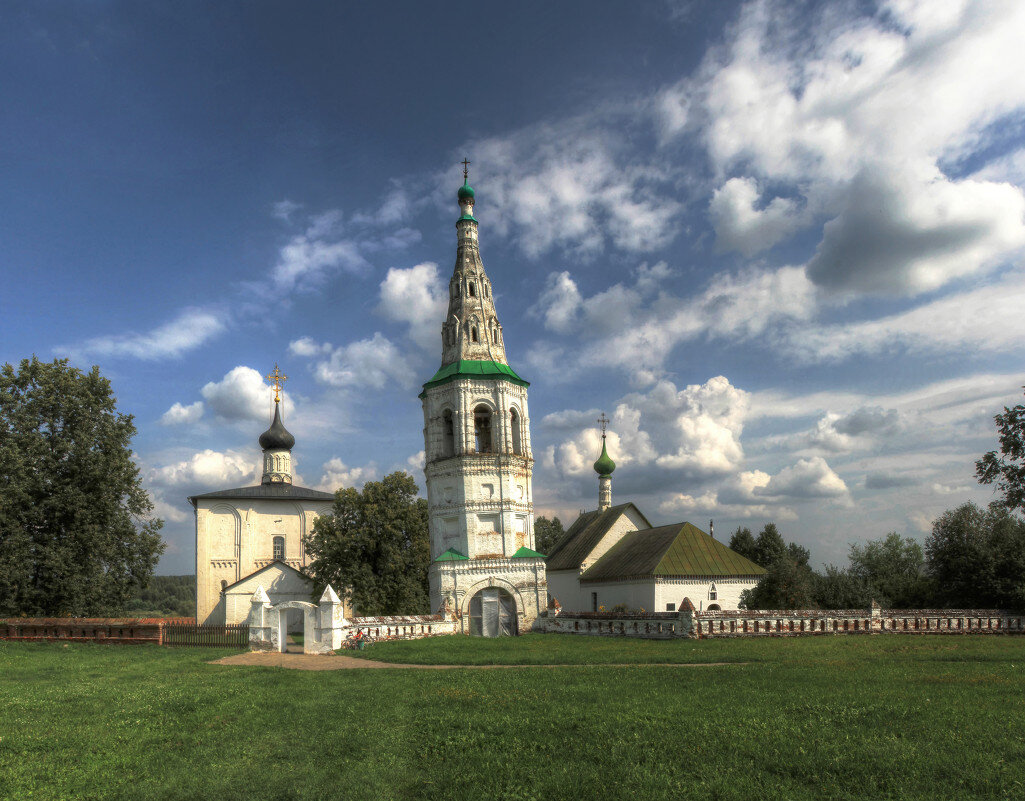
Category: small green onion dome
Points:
column 465, row 192
column 604, row 466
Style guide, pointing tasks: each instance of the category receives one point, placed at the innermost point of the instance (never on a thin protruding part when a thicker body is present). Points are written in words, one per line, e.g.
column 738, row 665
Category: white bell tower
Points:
column 478, row 460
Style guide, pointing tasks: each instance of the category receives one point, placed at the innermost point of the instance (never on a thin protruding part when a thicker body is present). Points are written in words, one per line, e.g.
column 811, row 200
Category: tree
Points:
column 893, row 568
column 841, row 589
column 547, row 534
column 977, row 557
column 769, row 547
column 743, row 543
column 76, row 532
column 1007, row 470
column 786, row 585
column 374, row 546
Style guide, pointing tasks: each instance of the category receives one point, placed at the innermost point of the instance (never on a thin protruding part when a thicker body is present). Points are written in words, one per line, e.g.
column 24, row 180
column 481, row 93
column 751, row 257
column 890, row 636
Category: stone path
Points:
column 339, row 662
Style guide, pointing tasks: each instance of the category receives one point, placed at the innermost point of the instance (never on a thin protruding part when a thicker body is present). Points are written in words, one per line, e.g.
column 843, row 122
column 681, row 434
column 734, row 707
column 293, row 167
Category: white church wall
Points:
column 699, row 590
column 633, row 594
column 629, row 520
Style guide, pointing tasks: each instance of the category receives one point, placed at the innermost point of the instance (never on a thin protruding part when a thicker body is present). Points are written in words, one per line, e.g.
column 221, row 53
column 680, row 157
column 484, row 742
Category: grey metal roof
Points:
column 582, row 537
column 267, row 491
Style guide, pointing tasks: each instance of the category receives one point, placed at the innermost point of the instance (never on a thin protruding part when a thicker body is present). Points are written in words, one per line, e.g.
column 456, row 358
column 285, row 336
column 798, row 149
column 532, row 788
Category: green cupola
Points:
column 604, row 465
column 465, row 192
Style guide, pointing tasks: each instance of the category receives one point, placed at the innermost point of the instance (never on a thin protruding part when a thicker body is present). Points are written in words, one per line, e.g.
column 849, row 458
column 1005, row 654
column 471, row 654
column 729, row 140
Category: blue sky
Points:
column 779, row 244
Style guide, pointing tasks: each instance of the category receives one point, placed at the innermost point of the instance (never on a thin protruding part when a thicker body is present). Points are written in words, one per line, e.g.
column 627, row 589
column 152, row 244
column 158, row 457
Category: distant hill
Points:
column 166, row 596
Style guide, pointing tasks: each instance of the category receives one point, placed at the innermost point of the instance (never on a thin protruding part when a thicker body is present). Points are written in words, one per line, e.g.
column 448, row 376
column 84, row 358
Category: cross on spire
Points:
column 466, row 170
column 278, row 380
column 603, row 421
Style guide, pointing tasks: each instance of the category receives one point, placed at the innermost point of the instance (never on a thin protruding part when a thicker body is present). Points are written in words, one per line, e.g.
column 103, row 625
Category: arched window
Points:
column 473, row 335
column 279, row 548
column 482, row 429
column 514, row 420
column 224, row 585
column 470, row 289
column 712, row 593
column 714, row 608
column 448, row 443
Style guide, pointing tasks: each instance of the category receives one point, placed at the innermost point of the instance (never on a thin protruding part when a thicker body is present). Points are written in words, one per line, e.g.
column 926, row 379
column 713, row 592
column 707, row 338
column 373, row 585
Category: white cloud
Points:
column 179, row 414
column 284, row 209
column 416, row 296
column 337, row 475
column 741, row 225
column 369, row 362
column 208, row 468
column 192, row 328
column 809, row 478
column 855, row 119
column 241, row 395
column 306, row 347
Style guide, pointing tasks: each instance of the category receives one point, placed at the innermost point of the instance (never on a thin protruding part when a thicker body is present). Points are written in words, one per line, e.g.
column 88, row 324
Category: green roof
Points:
column 452, row 555
column 465, row 368
column 680, row 549
column 469, row 217
column 526, row 553
column 465, row 191
column 584, row 535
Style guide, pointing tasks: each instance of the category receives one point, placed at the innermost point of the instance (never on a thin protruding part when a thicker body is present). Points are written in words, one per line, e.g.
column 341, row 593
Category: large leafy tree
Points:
column 744, row 543
column 1007, row 470
column 77, row 536
column 547, row 533
column 375, row 547
column 977, row 557
column 894, row 569
column 786, row 585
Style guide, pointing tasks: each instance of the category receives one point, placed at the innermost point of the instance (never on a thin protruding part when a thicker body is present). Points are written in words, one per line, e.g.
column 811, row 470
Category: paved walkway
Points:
column 339, row 662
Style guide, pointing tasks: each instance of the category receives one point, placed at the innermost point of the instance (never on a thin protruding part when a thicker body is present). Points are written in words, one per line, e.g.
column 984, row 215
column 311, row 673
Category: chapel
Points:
column 478, row 460
column 249, row 537
column 613, row 557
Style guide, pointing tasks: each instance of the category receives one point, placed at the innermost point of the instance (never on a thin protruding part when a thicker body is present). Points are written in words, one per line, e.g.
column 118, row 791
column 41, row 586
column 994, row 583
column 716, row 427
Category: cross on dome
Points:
column 466, row 170
column 278, row 380
column 603, row 421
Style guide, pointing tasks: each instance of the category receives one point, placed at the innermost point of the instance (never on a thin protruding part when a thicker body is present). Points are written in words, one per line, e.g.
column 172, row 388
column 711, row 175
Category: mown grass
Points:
column 844, row 718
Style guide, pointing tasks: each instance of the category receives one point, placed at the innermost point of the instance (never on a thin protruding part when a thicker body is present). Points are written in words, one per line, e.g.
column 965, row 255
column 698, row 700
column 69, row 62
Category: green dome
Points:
column 604, row 466
column 466, row 192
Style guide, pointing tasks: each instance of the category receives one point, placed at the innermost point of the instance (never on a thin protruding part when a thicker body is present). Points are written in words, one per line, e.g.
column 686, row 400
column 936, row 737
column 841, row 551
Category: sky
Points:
column 779, row 244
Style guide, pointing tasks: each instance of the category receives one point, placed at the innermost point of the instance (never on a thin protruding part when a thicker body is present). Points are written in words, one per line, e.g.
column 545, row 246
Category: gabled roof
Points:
column 680, row 549
column 452, row 555
column 276, row 563
column 267, row 491
column 585, row 533
column 523, row 552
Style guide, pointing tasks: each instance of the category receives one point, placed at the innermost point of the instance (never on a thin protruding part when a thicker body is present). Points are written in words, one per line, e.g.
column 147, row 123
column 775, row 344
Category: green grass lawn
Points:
column 837, row 717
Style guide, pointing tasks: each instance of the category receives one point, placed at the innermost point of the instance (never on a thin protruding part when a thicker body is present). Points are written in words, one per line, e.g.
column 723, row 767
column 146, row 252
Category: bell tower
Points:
column 478, row 459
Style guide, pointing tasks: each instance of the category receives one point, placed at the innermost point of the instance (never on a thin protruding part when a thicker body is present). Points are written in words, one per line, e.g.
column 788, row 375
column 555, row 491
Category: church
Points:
column 253, row 536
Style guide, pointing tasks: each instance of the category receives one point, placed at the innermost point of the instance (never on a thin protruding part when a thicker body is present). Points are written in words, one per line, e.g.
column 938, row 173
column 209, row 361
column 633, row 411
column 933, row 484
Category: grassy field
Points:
column 868, row 717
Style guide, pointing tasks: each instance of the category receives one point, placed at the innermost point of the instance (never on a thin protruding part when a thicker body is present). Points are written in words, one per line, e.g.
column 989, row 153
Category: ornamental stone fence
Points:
column 783, row 622
column 87, row 629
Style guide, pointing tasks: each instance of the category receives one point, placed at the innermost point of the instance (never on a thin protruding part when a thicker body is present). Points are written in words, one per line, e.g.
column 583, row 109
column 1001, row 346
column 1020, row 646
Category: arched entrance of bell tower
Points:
column 492, row 613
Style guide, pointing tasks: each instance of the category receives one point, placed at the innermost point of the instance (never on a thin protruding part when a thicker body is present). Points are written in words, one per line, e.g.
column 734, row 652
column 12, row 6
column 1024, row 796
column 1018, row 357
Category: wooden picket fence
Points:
column 181, row 634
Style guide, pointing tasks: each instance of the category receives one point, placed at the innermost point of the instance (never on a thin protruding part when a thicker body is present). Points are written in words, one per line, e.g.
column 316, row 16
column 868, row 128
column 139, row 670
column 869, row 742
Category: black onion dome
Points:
column 276, row 437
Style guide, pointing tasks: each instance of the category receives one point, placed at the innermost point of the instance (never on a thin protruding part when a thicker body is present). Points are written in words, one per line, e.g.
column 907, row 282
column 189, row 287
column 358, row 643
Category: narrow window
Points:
column 449, row 443
column 515, row 421
column 279, row 547
column 712, row 594
column 594, row 602
column 670, row 607
column 224, row 585
column 471, row 290
column 482, row 429
column 473, row 335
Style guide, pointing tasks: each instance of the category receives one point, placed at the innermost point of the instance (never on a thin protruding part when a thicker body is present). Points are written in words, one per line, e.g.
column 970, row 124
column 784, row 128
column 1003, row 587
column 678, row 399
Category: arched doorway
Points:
column 714, row 608
column 492, row 613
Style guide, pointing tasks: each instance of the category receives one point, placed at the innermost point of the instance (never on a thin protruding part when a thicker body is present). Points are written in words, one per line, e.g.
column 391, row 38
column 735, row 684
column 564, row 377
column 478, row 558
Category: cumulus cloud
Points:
column 337, row 475
column 417, row 297
column 241, row 395
column 179, row 414
column 369, row 362
column 189, row 330
column 860, row 121
column 306, row 347
column 809, row 478
column 208, row 468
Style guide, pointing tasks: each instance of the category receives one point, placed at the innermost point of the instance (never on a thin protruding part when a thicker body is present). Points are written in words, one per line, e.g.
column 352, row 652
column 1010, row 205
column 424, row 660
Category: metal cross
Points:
column 603, row 421
column 277, row 379
column 466, row 170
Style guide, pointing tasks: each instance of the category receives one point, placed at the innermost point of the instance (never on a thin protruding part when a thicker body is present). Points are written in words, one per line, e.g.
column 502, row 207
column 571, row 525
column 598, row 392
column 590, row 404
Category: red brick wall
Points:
column 82, row 629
